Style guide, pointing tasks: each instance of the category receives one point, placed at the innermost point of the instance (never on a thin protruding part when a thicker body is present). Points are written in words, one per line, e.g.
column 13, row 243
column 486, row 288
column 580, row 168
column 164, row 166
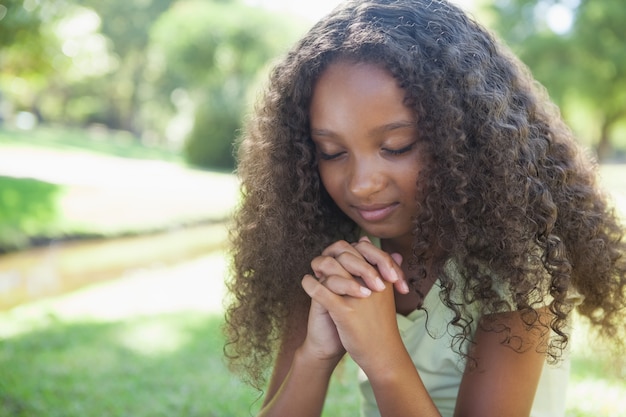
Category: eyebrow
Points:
column 380, row 129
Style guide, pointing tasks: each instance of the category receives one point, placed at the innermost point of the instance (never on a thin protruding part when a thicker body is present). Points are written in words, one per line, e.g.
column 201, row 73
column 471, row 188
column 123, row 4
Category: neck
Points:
column 401, row 245
column 406, row 303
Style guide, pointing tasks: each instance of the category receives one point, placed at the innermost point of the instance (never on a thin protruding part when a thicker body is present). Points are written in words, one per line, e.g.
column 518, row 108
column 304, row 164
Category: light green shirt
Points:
column 428, row 340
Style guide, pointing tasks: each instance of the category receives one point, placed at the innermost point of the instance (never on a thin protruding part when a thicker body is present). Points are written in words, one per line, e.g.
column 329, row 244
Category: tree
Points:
column 137, row 64
column 214, row 51
column 127, row 23
column 20, row 26
column 27, row 49
column 576, row 49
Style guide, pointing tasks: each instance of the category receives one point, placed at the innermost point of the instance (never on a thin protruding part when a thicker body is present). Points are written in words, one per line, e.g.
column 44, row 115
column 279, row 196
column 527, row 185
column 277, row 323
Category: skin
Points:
column 369, row 161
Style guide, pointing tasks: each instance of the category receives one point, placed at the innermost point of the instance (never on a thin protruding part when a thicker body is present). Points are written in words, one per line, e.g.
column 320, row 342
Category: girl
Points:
column 412, row 198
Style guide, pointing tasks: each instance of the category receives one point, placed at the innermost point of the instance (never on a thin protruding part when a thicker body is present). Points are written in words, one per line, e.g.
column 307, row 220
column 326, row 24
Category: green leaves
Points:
column 583, row 67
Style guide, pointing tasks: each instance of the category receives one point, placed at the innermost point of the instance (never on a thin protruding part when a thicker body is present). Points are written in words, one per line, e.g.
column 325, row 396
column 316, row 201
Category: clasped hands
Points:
column 352, row 303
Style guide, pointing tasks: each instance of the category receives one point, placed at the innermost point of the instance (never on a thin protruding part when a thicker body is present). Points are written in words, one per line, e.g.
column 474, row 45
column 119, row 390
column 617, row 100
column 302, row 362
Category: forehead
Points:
column 349, row 93
column 367, row 77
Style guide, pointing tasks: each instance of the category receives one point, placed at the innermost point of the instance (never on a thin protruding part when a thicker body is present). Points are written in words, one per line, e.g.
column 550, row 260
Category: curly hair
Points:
column 509, row 195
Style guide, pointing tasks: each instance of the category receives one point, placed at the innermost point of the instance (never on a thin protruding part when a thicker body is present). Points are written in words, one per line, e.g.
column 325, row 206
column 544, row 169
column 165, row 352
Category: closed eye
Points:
column 328, row 157
column 399, row 151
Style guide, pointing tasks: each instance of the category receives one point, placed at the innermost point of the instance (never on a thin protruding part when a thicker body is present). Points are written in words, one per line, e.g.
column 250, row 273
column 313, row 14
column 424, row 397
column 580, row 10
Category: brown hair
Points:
column 508, row 187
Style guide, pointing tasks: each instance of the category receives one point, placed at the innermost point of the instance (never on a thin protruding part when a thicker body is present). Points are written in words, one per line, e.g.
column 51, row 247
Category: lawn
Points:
column 149, row 342
column 94, row 140
column 54, row 187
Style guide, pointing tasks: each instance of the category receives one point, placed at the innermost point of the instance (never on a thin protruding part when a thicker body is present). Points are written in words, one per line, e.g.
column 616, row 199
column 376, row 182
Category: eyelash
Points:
column 394, row 152
column 327, row 157
column 400, row 151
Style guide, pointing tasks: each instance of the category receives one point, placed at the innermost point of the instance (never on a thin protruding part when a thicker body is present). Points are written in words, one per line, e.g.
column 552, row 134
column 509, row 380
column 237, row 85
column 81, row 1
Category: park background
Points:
column 117, row 124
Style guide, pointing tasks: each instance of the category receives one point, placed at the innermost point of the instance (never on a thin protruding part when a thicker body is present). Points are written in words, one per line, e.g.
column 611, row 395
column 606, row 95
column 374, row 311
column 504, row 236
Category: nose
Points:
column 366, row 178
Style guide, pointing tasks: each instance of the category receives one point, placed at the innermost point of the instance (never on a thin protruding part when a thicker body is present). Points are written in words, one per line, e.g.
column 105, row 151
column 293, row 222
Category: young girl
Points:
column 412, row 198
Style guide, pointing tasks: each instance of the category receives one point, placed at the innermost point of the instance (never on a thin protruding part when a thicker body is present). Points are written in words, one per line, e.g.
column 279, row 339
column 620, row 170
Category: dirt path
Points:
column 111, row 193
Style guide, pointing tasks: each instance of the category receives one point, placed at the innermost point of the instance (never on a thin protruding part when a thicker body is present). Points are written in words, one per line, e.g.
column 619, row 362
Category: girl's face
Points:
column 367, row 148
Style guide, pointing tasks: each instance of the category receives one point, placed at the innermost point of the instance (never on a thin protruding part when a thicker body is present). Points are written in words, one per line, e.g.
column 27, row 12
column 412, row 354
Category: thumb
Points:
column 397, row 257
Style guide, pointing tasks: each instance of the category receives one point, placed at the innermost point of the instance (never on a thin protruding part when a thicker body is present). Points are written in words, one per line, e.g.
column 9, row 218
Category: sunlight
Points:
column 196, row 285
column 560, row 18
column 84, row 45
column 154, row 338
column 594, row 397
column 81, row 23
column 314, row 10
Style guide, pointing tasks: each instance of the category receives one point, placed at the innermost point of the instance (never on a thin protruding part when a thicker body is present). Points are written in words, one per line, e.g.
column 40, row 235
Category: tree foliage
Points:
column 583, row 64
column 126, row 64
column 130, row 68
column 214, row 51
column 17, row 23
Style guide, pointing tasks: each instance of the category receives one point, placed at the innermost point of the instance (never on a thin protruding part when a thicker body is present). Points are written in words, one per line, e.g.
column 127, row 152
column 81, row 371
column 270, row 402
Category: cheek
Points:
column 331, row 183
column 409, row 179
column 327, row 181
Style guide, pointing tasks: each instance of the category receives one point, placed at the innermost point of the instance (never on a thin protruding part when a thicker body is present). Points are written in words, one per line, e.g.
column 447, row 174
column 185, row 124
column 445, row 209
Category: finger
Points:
column 342, row 286
column 339, row 247
column 319, row 292
column 388, row 265
column 398, row 258
column 402, row 286
column 348, row 263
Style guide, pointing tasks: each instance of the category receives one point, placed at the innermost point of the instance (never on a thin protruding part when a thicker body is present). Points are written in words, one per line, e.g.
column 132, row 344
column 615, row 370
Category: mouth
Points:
column 376, row 213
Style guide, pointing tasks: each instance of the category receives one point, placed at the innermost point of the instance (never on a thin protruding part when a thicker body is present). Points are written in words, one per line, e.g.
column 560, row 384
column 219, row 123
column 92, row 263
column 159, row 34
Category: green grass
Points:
column 27, row 208
column 167, row 365
column 34, row 211
column 117, row 196
column 148, row 344
column 117, row 349
column 163, row 365
column 102, row 142
column 171, row 363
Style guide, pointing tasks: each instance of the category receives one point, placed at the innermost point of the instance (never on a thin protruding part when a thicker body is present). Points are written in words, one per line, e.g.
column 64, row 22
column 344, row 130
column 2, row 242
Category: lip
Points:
column 376, row 213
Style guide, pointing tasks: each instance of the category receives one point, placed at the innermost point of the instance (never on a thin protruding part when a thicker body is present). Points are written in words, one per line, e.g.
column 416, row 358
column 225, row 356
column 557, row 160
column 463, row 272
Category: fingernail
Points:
column 379, row 284
column 366, row 291
column 394, row 276
column 405, row 287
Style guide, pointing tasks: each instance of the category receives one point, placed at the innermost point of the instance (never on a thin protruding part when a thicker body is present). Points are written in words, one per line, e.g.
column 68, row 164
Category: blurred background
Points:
column 117, row 128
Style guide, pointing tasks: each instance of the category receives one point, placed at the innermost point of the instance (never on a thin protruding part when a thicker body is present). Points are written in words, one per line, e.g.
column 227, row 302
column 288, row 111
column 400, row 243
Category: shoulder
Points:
column 482, row 283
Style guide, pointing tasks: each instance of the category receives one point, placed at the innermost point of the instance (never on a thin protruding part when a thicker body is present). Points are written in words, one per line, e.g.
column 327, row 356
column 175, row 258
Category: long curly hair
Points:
column 508, row 195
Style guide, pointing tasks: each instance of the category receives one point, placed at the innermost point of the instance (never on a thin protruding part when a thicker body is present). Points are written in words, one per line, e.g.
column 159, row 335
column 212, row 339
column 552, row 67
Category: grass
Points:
column 61, row 184
column 150, row 344
column 27, row 208
column 167, row 365
column 99, row 141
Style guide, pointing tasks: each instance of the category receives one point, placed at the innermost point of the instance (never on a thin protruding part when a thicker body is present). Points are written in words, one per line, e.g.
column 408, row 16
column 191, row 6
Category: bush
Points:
column 28, row 209
column 211, row 141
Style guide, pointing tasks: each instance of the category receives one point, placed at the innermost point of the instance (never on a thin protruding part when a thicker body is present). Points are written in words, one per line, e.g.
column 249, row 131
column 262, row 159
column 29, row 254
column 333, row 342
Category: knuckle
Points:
column 315, row 291
column 326, row 262
column 336, row 246
column 342, row 244
column 343, row 256
column 320, row 262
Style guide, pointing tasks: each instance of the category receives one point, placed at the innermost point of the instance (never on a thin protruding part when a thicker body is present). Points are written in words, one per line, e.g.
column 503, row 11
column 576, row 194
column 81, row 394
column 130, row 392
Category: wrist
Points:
column 307, row 358
column 387, row 365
